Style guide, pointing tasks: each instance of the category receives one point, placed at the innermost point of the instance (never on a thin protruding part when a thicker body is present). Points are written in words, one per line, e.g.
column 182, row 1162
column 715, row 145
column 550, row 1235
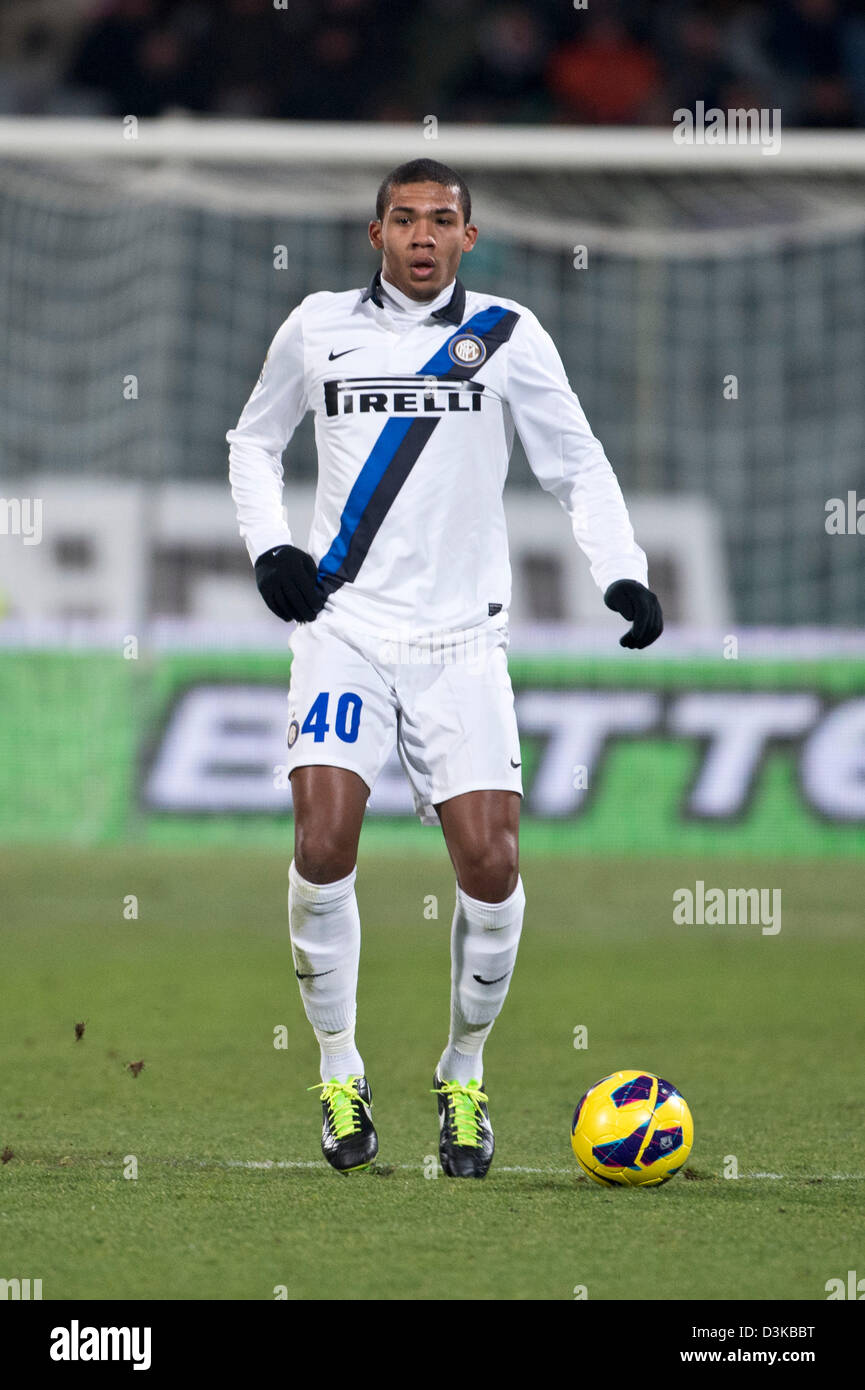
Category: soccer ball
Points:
column 633, row 1129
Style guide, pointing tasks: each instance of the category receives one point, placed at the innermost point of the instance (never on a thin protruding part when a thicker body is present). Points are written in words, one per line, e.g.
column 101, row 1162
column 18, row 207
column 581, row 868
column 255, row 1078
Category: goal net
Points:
column 711, row 313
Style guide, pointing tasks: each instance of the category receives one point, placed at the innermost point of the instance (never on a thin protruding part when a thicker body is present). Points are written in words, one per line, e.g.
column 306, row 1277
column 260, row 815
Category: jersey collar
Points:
column 452, row 312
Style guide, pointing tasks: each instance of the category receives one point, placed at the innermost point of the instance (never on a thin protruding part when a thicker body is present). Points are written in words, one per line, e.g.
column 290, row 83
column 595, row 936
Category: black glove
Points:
column 640, row 607
column 286, row 581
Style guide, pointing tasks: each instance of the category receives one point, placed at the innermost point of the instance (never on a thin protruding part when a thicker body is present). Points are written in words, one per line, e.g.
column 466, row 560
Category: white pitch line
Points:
column 405, row 1167
column 502, row 1168
column 266, row 1164
column 808, row 1177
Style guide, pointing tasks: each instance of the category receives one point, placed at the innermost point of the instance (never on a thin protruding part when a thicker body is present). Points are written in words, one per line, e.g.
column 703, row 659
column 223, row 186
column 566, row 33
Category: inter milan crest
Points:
column 293, row 731
column 467, row 350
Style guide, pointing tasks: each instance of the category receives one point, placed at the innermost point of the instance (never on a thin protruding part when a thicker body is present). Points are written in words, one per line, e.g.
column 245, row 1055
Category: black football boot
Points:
column 348, row 1137
column 466, row 1140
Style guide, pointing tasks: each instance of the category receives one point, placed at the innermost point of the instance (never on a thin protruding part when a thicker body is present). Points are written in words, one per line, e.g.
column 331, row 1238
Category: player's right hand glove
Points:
column 640, row 607
column 286, row 579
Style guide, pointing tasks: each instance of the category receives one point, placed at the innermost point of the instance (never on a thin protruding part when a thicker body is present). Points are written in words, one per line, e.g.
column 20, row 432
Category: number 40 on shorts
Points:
column 346, row 722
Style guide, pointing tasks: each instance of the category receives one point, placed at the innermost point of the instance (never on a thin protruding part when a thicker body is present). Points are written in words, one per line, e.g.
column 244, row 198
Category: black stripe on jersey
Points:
column 403, row 461
column 493, row 338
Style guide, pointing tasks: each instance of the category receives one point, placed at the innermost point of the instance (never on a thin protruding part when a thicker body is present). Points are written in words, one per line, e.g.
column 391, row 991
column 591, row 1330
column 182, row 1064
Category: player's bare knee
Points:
column 489, row 870
column 321, row 856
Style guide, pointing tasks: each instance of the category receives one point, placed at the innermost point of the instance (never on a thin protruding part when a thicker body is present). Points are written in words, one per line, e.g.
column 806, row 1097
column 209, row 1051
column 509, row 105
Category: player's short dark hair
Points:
column 423, row 171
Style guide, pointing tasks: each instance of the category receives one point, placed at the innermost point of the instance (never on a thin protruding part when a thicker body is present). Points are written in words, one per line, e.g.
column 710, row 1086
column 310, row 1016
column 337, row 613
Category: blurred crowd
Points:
column 601, row 61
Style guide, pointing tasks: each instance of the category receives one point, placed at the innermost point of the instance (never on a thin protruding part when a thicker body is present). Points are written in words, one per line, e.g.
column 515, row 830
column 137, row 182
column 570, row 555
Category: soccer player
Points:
column 401, row 604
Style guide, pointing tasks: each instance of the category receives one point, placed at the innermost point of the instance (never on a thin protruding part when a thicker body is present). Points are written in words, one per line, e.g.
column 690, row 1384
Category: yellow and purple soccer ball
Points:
column 632, row 1129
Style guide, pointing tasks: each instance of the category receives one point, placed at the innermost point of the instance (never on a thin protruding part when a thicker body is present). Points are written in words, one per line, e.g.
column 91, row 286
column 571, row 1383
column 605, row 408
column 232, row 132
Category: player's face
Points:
column 422, row 238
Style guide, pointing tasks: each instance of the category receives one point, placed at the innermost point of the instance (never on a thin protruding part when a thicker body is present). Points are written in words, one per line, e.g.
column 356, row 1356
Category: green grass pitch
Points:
column 763, row 1035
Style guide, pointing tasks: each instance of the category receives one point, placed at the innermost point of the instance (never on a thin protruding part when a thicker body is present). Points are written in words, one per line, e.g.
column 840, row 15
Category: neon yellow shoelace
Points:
column 342, row 1101
column 464, row 1110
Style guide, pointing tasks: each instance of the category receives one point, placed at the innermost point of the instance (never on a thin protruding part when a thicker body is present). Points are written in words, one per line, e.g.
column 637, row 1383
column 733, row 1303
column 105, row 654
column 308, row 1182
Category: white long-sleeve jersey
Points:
column 414, row 421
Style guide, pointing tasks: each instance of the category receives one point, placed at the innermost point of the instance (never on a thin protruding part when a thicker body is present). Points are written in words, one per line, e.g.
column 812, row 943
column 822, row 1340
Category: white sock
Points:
column 324, row 926
column 340, row 1058
column 484, row 942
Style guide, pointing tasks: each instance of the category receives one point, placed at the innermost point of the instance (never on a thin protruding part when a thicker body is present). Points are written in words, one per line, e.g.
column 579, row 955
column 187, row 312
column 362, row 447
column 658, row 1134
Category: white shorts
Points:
column 447, row 704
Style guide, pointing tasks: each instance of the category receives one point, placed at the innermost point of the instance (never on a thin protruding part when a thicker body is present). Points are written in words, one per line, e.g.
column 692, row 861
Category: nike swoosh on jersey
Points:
column 397, row 450
column 332, row 356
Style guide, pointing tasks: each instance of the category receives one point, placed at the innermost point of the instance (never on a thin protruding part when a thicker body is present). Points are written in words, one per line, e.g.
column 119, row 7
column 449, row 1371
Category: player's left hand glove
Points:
column 640, row 607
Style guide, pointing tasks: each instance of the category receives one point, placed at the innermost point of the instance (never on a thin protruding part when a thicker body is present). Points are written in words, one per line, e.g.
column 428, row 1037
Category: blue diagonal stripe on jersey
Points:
column 400, row 443
column 365, row 485
column 442, row 364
